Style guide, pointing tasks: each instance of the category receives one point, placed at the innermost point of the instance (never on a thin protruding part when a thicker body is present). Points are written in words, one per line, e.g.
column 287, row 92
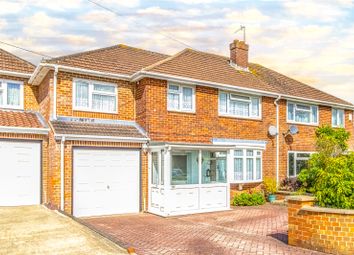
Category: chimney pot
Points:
column 239, row 53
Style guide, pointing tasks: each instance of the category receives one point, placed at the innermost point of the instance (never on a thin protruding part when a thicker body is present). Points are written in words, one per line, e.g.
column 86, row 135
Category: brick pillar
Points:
column 295, row 203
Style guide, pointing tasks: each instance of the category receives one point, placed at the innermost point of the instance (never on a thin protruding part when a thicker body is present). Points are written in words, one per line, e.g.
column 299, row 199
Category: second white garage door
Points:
column 105, row 181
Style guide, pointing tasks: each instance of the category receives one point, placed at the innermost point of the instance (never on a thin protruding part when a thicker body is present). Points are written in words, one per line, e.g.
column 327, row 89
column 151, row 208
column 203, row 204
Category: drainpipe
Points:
column 62, row 144
column 55, row 81
column 277, row 142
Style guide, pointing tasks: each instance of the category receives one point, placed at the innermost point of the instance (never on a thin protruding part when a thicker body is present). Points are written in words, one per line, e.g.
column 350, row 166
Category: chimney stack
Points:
column 239, row 53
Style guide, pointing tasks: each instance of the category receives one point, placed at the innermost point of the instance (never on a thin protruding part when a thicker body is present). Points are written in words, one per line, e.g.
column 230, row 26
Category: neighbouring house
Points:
column 127, row 130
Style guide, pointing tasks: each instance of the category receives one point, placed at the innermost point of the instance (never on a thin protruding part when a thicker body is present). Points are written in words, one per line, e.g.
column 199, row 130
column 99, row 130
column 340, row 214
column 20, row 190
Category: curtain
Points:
column 103, row 103
column 341, row 118
column 188, row 98
column 291, row 112
column 239, row 108
column 255, row 107
column 223, row 103
column 303, row 116
column 82, row 94
column 238, row 169
column 314, row 114
column 249, row 168
column 105, row 88
column 173, row 101
column 258, row 169
column 13, row 94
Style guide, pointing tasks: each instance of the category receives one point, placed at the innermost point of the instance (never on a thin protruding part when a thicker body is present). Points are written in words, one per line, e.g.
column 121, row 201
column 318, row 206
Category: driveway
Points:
column 38, row 230
column 243, row 230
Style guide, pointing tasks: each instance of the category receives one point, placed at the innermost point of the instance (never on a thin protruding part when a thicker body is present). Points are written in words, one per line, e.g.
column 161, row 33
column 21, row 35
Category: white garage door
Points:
column 20, row 168
column 106, row 181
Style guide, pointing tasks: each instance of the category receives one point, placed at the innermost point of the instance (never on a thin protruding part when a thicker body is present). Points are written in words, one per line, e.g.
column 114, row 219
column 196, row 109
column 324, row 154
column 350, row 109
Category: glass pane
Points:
column 238, row 153
column 173, row 88
column 173, row 101
column 82, row 94
column 301, row 164
column 341, row 118
column 155, row 168
column 314, row 114
column 249, row 168
column 291, row 112
column 303, row 107
column 238, row 97
column 105, row 88
column 184, row 168
column 238, row 169
column 239, row 108
column 104, row 103
column 13, row 94
column 223, row 103
column 1, row 97
column 249, row 152
column 255, row 107
column 187, row 98
column 258, row 169
column 162, row 167
column 213, row 167
column 301, row 116
column 291, row 164
column 334, row 117
column 303, row 155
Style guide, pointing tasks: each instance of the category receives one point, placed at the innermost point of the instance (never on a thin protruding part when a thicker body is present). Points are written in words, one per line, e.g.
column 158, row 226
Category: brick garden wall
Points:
column 322, row 229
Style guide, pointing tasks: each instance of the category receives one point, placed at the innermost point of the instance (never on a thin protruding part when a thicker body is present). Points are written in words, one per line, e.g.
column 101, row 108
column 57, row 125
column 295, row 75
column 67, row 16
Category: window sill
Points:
column 245, row 182
column 183, row 112
column 93, row 111
column 303, row 124
column 239, row 117
column 12, row 107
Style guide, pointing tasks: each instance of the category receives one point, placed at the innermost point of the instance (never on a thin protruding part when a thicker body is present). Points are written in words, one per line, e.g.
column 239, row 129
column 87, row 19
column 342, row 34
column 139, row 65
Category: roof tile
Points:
column 19, row 119
column 10, row 62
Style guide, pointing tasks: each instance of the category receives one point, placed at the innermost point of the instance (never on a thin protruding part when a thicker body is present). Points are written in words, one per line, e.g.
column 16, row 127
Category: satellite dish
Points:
column 272, row 130
column 293, row 130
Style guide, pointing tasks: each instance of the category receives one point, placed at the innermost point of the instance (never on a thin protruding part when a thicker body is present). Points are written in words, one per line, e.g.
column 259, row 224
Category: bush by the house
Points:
column 248, row 199
column 270, row 186
column 290, row 184
column 330, row 174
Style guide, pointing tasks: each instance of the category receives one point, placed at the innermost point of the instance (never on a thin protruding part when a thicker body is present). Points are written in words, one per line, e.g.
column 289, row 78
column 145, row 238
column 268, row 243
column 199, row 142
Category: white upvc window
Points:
column 297, row 161
column 180, row 98
column 239, row 105
column 247, row 165
column 338, row 117
column 11, row 94
column 302, row 113
column 94, row 96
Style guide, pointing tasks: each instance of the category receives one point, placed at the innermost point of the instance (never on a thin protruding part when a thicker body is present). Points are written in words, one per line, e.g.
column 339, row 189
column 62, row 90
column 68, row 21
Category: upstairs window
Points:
column 11, row 94
column 237, row 105
column 302, row 113
column 180, row 98
column 338, row 117
column 94, row 96
column 247, row 165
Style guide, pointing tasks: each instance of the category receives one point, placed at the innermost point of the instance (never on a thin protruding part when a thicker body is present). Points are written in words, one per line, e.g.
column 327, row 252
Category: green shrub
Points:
column 248, row 199
column 270, row 185
column 330, row 173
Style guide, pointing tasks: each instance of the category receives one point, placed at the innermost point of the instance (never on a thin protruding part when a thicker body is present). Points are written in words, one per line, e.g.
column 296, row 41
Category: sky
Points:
column 311, row 41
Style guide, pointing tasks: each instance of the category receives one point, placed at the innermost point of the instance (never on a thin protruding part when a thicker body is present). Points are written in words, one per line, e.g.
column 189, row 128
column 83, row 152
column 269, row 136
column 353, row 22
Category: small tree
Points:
column 330, row 174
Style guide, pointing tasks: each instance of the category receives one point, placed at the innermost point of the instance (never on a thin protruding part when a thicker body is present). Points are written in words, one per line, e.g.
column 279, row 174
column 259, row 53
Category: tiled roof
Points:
column 10, row 62
column 120, row 59
column 20, row 119
column 291, row 87
column 96, row 129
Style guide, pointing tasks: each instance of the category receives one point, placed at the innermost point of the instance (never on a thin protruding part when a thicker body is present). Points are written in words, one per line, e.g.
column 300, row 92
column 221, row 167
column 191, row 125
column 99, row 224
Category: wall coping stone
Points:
column 327, row 210
column 302, row 198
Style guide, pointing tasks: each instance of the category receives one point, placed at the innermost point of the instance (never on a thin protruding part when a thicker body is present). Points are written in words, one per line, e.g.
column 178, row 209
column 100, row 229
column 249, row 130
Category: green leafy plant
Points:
column 248, row 199
column 330, row 172
column 270, row 186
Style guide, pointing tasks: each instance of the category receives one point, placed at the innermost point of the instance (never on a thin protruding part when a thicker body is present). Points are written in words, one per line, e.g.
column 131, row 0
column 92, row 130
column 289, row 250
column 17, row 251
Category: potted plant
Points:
column 270, row 186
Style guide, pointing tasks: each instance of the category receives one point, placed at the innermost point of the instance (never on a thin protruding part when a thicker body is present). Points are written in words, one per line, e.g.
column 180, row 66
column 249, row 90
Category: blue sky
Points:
column 312, row 41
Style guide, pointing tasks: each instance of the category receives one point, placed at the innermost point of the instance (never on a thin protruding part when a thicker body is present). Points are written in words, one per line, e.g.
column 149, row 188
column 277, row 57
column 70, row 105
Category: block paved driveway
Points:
column 243, row 230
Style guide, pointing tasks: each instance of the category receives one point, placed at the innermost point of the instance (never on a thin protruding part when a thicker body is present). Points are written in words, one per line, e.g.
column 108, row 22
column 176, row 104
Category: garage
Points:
column 20, row 173
column 105, row 181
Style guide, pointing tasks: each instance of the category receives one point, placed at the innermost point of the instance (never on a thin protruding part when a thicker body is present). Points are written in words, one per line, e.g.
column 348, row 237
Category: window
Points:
column 239, row 105
column 157, row 168
column 302, row 113
column 337, row 117
column 247, row 165
column 213, row 167
column 11, row 94
column 185, row 168
column 95, row 96
column 297, row 161
column 180, row 98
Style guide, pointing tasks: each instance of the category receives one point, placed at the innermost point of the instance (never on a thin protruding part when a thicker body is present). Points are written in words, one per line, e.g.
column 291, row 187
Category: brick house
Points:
column 133, row 130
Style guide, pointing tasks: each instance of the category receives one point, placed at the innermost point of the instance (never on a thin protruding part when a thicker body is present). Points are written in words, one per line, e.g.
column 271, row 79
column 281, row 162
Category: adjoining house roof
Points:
column 291, row 87
column 12, row 63
column 23, row 119
column 86, row 127
column 119, row 59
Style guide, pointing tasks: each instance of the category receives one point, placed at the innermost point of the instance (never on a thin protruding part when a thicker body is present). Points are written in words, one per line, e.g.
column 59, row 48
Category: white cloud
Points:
column 156, row 10
column 41, row 25
column 3, row 23
column 122, row 3
column 11, row 7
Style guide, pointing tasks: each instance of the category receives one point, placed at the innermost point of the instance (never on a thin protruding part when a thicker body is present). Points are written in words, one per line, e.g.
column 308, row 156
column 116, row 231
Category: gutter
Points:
column 17, row 74
column 62, row 178
column 24, row 130
column 72, row 137
column 54, row 115
column 277, row 142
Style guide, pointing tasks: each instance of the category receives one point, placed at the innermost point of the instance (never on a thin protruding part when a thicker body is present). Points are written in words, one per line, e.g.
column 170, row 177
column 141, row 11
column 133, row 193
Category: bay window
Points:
column 94, row 96
column 238, row 105
column 302, row 113
column 297, row 161
column 247, row 165
column 11, row 94
column 180, row 98
column 338, row 117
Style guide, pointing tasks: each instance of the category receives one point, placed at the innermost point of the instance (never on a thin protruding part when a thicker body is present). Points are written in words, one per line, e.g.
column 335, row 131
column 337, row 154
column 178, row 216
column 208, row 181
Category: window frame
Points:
column 311, row 123
column 295, row 158
column 338, row 110
column 244, row 165
column 180, row 93
column 228, row 114
column 4, row 82
column 91, row 92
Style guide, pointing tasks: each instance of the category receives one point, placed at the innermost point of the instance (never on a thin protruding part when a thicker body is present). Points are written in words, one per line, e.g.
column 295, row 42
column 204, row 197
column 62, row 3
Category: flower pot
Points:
column 272, row 198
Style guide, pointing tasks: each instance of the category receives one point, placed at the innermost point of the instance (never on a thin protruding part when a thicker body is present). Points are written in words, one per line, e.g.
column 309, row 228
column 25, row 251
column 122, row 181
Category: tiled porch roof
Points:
column 22, row 119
